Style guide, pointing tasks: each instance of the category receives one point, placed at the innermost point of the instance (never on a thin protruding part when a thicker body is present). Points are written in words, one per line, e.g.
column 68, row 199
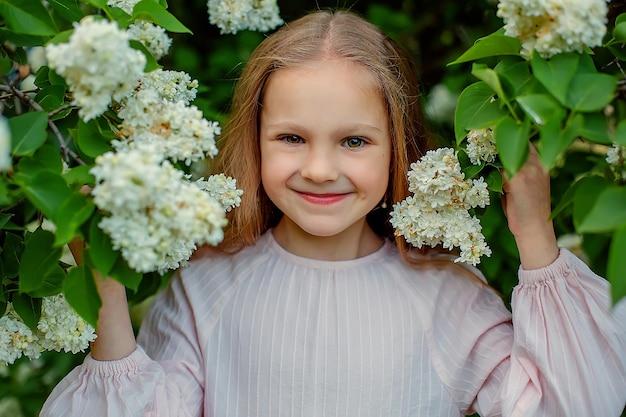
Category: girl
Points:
column 310, row 308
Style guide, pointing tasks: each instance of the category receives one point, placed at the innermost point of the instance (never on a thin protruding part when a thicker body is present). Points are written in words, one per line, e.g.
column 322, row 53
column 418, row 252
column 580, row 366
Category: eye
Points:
column 291, row 139
column 354, row 142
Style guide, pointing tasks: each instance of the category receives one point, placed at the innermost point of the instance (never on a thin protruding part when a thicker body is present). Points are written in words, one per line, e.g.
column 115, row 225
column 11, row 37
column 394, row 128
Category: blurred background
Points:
column 435, row 32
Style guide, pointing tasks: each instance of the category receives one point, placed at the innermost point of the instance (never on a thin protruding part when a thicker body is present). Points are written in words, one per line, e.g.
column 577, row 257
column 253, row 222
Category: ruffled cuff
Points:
column 561, row 267
column 130, row 363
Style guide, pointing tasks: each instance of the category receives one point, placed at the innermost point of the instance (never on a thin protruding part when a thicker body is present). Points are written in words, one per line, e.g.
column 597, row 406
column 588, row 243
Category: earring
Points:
column 383, row 204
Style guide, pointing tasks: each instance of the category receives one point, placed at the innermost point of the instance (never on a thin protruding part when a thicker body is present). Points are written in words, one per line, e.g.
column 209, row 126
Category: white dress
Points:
column 267, row 333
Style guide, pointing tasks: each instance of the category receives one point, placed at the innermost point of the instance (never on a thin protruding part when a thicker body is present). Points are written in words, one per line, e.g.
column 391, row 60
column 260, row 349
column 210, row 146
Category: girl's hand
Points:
column 526, row 203
column 116, row 338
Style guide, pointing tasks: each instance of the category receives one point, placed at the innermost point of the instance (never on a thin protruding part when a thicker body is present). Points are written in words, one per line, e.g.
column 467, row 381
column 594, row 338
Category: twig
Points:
column 67, row 152
column 60, row 109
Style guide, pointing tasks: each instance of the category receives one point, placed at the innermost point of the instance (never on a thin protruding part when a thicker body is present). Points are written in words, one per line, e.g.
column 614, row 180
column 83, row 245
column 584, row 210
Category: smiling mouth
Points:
column 322, row 199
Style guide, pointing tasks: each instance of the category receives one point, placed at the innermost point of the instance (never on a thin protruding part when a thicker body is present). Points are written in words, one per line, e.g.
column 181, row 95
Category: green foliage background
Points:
column 436, row 33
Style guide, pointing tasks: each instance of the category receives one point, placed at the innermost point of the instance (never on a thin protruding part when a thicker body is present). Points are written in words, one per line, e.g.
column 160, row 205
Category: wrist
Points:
column 537, row 248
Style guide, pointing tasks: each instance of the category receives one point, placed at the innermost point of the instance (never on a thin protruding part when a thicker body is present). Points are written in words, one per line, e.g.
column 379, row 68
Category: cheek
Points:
column 373, row 177
column 275, row 169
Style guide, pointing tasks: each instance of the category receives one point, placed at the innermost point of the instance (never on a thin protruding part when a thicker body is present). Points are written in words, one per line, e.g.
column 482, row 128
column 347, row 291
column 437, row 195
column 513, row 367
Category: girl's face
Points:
column 325, row 147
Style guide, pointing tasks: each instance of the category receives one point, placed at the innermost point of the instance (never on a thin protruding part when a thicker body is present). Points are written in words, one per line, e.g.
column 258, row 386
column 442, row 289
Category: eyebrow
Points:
column 287, row 125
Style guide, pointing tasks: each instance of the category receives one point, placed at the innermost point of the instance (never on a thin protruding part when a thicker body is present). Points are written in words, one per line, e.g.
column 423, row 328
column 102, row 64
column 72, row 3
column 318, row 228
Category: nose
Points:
column 320, row 165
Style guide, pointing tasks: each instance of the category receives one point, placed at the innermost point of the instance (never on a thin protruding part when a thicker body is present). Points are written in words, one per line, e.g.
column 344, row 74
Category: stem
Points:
column 508, row 105
column 60, row 109
column 67, row 152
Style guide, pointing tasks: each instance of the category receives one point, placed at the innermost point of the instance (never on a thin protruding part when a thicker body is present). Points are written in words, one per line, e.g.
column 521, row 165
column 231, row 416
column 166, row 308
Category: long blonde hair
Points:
column 316, row 36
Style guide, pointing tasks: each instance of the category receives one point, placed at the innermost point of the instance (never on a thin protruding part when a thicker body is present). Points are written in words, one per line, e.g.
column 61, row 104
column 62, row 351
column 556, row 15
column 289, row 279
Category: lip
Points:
column 322, row 199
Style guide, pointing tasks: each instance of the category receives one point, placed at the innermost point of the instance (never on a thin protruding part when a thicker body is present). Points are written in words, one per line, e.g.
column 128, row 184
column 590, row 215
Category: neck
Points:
column 355, row 242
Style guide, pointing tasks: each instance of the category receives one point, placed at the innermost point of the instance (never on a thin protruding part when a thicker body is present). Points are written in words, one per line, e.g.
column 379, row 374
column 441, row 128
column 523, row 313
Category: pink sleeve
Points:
column 162, row 378
column 568, row 355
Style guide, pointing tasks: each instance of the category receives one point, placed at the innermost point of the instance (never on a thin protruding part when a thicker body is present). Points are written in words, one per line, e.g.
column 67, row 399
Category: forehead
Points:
column 336, row 71
column 326, row 91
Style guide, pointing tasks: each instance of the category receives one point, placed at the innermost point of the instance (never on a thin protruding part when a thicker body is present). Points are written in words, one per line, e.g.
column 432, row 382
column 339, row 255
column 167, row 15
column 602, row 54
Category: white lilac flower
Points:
column 156, row 216
column 5, row 145
column 616, row 158
column 152, row 36
column 60, row 328
column 16, row 339
column 126, row 5
column 554, row 26
column 36, row 58
column 98, row 65
column 437, row 213
column 223, row 189
column 177, row 131
column 481, row 146
column 232, row 16
column 170, row 85
column 441, row 103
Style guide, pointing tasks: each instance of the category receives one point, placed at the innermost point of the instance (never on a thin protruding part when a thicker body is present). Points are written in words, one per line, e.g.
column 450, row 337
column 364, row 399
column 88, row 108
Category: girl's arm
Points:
column 118, row 378
column 526, row 204
column 116, row 338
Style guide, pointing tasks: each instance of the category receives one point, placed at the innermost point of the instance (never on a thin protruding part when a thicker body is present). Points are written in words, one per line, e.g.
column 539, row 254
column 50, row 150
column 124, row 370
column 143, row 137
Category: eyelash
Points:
column 295, row 139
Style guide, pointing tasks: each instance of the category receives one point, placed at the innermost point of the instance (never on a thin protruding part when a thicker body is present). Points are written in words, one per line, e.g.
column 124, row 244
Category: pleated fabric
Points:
column 270, row 334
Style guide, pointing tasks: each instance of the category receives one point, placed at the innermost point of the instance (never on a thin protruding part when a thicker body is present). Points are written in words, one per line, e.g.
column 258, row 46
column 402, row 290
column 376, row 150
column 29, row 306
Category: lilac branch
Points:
column 67, row 152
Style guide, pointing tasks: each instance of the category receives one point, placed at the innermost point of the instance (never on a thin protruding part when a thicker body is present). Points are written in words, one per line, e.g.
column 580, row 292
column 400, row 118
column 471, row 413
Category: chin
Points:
column 326, row 230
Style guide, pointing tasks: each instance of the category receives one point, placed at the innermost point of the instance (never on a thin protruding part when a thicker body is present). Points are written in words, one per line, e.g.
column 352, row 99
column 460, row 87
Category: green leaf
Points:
column 11, row 254
column 619, row 32
column 125, row 275
column 74, row 211
column 512, row 140
column 46, row 190
column 476, row 109
column 471, row 171
column 515, row 73
column 568, row 198
column 28, row 17
column 616, row 265
column 69, row 9
column 82, row 295
column 100, row 252
column 28, row 132
column 5, row 199
column 49, row 158
column 52, row 283
column 39, row 257
column 28, row 308
column 41, row 77
column 4, row 219
column 20, row 39
column 153, row 12
column 587, row 193
column 620, row 133
column 541, row 108
column 151, row 62
column 46, row 159
column 100, row 4
column 596, row 128
column 607, row 213
column 556, row 74
column 491, row 78
column 51, row 98
column 91, row 140
column 61, row 37
column 492, row 45
column 494, row 181
column 554, row 140
column 79, row 175
column 619, row 53
column 590, row 92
